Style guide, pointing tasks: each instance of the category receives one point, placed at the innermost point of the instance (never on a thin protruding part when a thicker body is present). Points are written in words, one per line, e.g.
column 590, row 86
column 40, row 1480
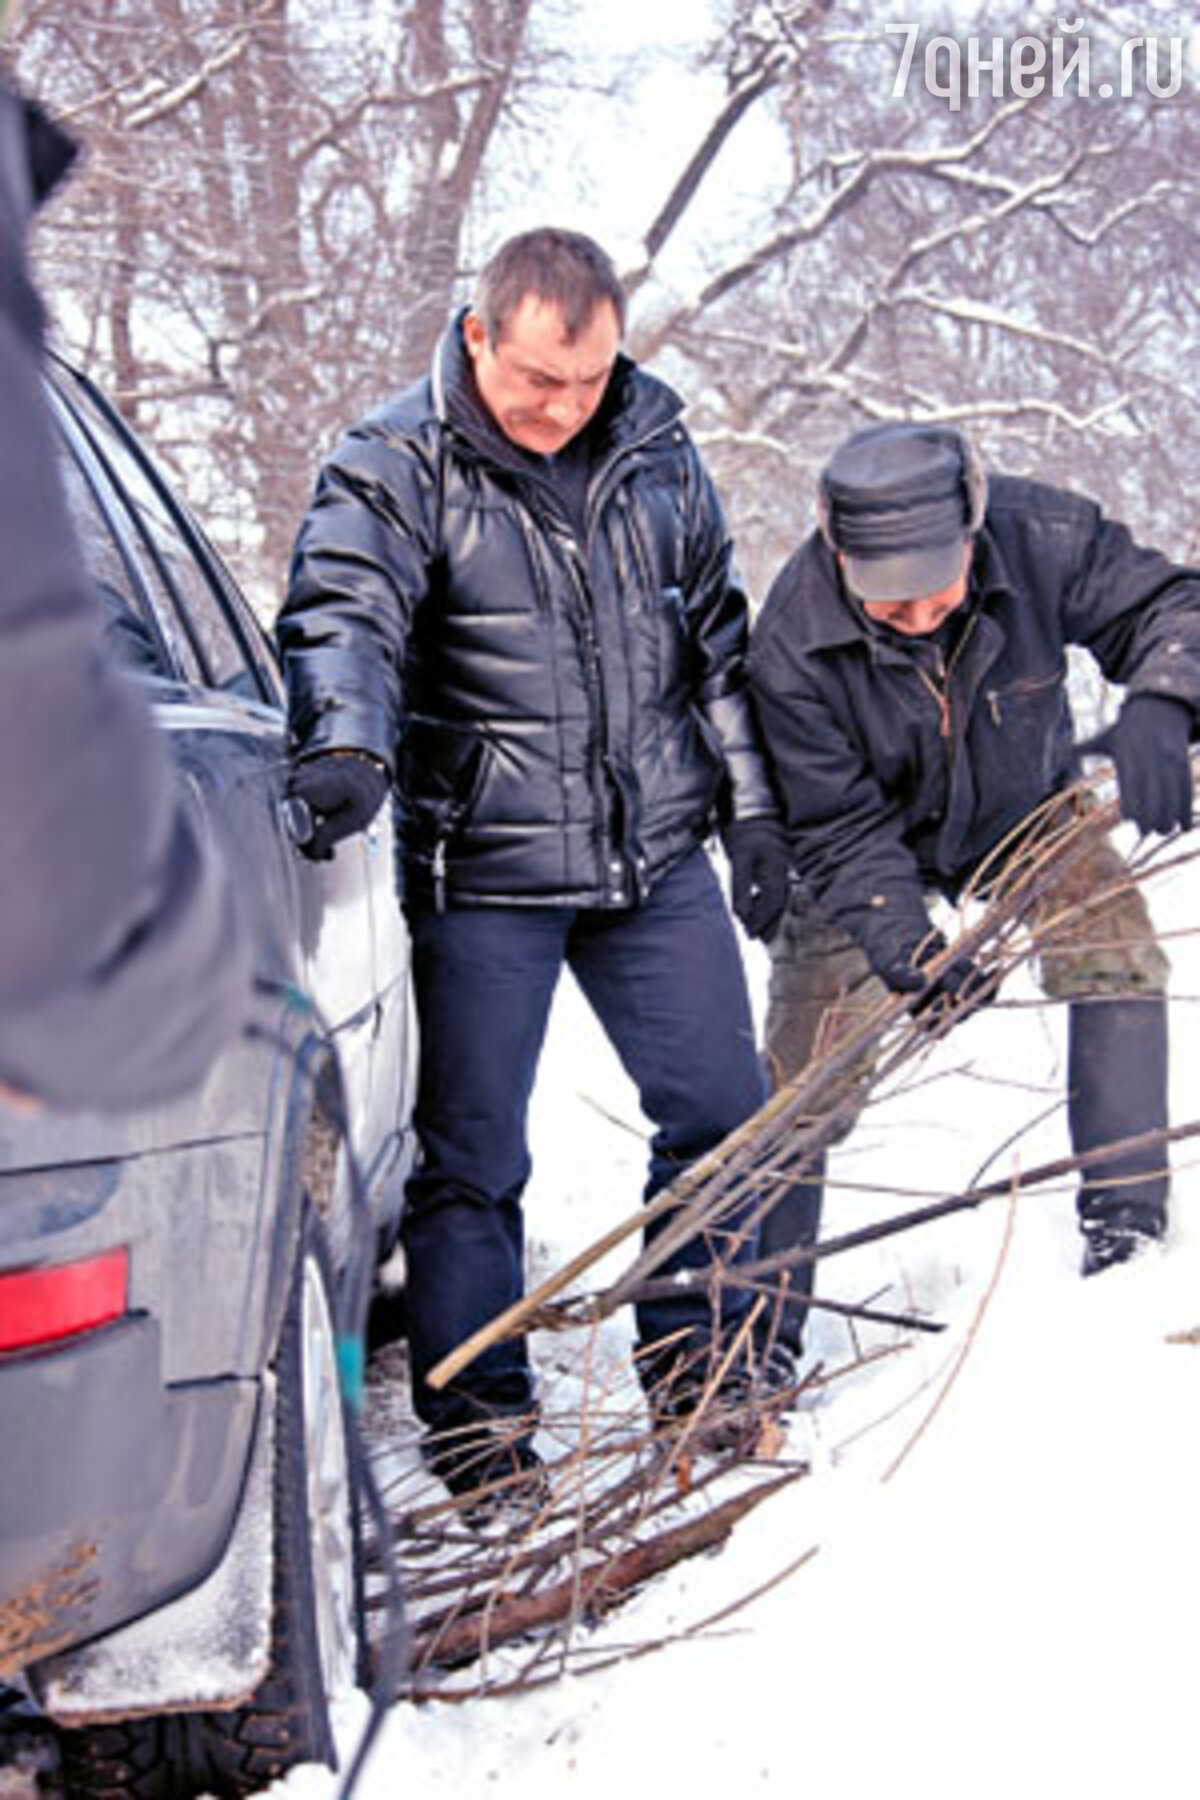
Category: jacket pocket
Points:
column 671, row 625
column 443, row 769
column 1008, row 703
column 1024, row 750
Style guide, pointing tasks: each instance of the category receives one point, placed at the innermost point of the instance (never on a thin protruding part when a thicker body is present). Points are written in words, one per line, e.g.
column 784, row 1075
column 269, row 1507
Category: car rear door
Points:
column 333, row 928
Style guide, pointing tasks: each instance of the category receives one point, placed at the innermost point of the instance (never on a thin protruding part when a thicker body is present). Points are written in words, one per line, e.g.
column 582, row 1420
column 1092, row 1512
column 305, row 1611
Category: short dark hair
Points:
column 563, row 268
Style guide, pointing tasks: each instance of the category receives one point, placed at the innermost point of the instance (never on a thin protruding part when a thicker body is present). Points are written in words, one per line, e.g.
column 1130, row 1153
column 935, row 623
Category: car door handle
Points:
column 298, row 819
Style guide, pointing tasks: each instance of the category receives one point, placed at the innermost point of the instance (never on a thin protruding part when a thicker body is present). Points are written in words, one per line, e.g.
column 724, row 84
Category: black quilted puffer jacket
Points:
column 564, row 716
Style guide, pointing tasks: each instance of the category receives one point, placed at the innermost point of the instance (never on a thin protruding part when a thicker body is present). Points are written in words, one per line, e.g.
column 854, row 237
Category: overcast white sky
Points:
column 624, row 149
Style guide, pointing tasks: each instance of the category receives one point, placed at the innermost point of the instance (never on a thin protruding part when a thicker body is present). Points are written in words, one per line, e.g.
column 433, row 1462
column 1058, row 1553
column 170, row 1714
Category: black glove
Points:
column 1149, row 746
column 342, row 790
column 758, row 858
column 961, row 987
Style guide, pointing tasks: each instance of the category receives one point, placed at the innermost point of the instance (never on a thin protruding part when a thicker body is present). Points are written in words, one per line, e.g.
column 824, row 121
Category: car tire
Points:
column 317, row 1630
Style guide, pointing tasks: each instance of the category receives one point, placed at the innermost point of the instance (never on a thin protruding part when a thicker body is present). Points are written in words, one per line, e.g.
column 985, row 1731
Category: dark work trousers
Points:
column 665, row 980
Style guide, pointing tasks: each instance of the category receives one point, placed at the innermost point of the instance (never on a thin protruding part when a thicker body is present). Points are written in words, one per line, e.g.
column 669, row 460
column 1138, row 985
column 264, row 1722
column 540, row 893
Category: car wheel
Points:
column 317, row 1636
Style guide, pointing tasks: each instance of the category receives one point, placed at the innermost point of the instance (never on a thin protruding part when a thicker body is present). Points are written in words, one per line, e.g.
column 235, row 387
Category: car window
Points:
column 169, row 563
column 138, row 639
column 177, row 565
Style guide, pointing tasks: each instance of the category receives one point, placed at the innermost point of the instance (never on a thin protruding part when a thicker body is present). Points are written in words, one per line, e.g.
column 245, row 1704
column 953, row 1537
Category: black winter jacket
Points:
column 124, row 966
column 890, row 790
column 562, row 717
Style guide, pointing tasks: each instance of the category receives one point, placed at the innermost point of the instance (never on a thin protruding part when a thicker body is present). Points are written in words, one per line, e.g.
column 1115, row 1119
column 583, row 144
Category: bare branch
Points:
column 868, row 168
column 151, row 112
column 749, row 88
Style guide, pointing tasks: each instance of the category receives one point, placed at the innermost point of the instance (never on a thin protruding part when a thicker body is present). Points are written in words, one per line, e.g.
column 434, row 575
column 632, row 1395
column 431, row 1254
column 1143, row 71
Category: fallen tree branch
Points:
column 447, row 1642
column 598, row 1305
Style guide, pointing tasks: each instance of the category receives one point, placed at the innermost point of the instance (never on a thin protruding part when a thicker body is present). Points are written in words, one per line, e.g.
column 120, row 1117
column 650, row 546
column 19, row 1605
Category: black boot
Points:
column 794, row 1221
column 1117, row 1072
column 491, row 1468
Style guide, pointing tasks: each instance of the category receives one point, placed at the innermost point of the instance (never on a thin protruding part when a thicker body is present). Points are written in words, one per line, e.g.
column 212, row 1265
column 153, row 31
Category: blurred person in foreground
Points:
column 909, row 671
column 123, row 963
column 513, row 600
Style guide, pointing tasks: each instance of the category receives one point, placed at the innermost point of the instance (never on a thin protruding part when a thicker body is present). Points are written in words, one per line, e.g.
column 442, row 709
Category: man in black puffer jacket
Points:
column 513, row 599
column 909, row 671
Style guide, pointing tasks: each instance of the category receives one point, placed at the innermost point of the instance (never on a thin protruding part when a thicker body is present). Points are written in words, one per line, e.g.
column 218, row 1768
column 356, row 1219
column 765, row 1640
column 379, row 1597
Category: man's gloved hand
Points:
column 961, row 987
column 343, row 790
column 1149, row 746
column 758, row 858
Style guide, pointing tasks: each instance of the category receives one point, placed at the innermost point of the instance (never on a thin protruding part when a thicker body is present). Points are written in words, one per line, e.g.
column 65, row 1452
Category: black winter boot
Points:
column 793, row 1221
column 492, row 1469
column 1117, row 1072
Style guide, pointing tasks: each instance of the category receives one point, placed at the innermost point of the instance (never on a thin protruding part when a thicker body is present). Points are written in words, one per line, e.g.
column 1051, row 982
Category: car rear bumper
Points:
column 118, row 1492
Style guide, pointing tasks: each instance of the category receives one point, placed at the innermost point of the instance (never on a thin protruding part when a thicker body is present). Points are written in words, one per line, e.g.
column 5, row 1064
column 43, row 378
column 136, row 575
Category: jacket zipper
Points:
column 940, row 687
column 599, row 481
column 594, row 677
column 601, row 485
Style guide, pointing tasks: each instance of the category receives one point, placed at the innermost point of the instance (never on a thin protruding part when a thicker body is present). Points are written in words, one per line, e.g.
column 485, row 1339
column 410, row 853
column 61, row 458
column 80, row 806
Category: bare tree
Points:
column 272, row 222
column 269, row 222
column 1023, row 264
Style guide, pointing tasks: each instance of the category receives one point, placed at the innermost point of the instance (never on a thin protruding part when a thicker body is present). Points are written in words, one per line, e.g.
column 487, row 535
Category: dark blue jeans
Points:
column 665, row 980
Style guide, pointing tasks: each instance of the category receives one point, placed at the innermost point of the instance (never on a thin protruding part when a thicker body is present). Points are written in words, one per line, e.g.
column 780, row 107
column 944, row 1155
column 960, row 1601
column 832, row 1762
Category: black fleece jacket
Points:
column 891, row 788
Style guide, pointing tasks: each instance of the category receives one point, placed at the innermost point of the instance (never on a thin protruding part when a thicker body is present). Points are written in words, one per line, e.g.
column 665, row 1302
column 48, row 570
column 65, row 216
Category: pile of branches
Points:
column 626, row 1500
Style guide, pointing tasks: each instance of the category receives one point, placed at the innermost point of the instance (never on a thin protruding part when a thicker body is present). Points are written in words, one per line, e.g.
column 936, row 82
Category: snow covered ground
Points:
column 1005, row 1517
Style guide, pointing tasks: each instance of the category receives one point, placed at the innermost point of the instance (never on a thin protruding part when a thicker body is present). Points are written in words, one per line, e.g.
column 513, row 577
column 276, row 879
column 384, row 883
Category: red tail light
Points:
column 39, row 1306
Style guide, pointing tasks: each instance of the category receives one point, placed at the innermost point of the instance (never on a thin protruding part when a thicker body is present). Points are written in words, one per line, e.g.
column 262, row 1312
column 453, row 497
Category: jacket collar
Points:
column 989, row 571
column 836, row 621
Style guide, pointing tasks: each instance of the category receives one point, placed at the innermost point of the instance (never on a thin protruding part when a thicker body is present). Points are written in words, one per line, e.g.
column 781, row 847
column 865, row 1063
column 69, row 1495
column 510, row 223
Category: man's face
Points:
column 541, row 389
column 923, row 614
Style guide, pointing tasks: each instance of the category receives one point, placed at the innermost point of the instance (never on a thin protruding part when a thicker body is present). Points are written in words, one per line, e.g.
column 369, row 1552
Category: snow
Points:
column 1003, row 1516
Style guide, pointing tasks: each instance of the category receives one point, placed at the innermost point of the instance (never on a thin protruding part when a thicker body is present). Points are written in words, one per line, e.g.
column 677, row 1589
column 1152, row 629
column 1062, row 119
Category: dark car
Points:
column 179, row 1581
